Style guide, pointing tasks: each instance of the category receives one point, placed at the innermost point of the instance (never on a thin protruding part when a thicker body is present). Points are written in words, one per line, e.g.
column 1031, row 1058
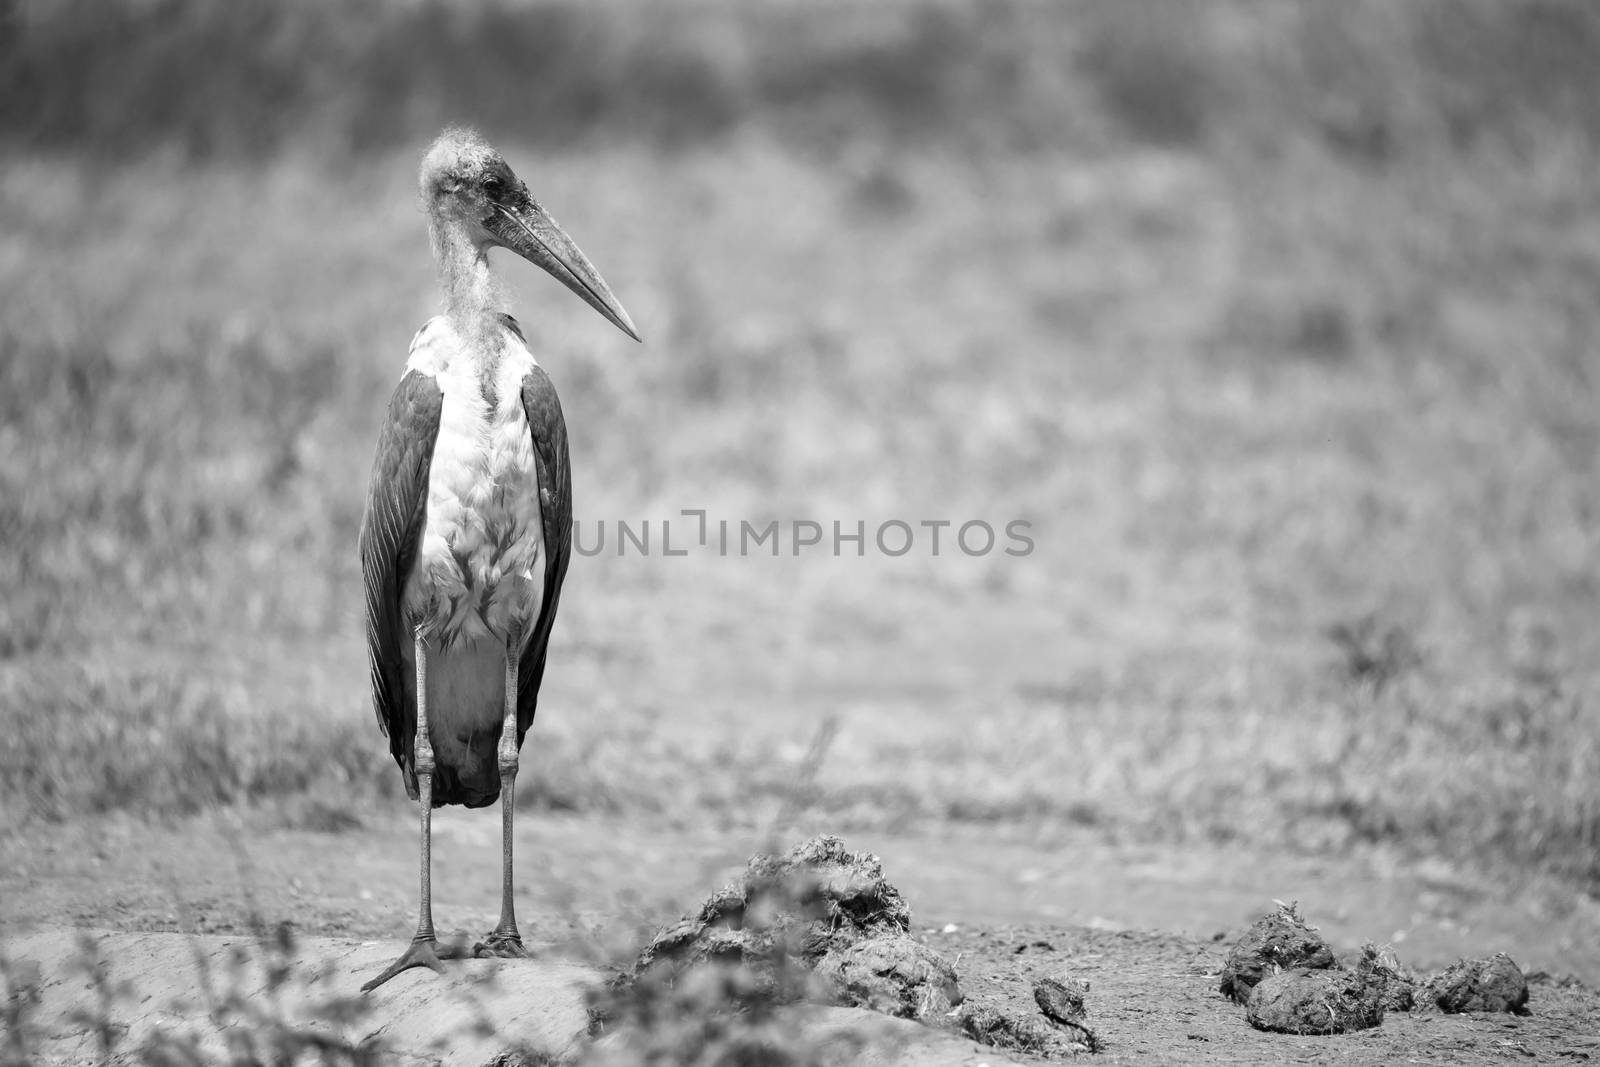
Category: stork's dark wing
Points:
column 390, row 530
column 549, row 431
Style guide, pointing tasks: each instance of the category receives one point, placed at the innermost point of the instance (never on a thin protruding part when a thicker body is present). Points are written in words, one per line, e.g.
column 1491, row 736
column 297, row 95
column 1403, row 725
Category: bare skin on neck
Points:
column 471, row 292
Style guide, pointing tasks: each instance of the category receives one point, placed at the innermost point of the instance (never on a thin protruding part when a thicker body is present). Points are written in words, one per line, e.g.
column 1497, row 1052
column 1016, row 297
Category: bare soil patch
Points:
column 591, row 885
column 1153, row 999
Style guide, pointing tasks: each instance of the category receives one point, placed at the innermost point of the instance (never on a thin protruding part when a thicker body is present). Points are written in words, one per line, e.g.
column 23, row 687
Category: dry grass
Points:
column 1305, row 349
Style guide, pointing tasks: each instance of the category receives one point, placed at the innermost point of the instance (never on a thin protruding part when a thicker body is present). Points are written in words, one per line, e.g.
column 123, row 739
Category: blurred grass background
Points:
column 1277, row 320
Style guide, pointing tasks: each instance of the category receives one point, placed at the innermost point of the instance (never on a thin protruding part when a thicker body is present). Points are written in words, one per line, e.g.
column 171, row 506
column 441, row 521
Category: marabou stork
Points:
column 468, row 524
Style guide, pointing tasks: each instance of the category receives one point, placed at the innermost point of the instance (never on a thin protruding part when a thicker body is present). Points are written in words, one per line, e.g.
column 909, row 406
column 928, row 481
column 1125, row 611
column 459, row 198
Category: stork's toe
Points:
column 422, row 952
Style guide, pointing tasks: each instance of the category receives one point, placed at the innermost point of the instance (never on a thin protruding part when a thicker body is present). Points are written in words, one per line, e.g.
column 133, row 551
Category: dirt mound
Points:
column 148, row 998
column 1493, row 984
column 1277, row 942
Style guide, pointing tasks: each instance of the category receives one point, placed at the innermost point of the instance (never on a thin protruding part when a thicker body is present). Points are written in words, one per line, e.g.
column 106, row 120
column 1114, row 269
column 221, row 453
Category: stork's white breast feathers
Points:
column 480, row 569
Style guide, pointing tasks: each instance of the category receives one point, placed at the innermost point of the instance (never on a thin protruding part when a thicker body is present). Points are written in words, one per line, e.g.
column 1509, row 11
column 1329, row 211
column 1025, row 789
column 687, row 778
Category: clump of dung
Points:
column 1401, row 991
column 1061, row 1000
column 787, row 910
column 1032, row 1034
column 1493, row 984
column 820, row 923
column 1307, row 1000
column 709, row 1014
column 892, row 973
column 1277, row 942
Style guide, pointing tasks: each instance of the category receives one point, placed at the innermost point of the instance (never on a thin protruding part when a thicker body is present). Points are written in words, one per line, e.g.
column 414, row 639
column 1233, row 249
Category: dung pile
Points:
column 1277, row 942
column 1061, row 1000
column 1290, row 981
column 821, row 923
column 1032, row 1034
column 1494, row 984
column 1319, row 1000
column 1060, row 1029
column 892, row 973
column 1400, row 993
column 819, row 910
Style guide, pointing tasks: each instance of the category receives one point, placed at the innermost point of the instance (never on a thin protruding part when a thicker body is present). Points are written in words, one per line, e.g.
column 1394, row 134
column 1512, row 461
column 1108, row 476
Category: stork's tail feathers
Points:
column 466, row 707
column 473, row 789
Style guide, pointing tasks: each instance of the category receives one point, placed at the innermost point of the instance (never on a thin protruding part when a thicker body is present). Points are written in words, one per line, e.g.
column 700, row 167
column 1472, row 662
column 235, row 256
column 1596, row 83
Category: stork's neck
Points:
column 471, row 297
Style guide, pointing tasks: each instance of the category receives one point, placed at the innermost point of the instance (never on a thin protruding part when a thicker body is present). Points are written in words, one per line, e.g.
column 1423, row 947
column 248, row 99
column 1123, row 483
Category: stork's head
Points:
column 470, row 192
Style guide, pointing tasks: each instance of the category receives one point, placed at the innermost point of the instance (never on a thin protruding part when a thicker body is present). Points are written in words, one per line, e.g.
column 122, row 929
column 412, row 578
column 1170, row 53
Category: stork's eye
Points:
column 491, row 184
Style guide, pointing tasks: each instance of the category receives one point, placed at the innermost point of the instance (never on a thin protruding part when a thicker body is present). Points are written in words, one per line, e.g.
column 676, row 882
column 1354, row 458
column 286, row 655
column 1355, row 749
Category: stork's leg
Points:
column 425, row 950
column 505, row 940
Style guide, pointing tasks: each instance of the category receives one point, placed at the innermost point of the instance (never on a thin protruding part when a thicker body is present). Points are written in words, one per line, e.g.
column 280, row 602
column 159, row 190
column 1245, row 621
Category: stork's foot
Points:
column 424, row 952
column 500, row 946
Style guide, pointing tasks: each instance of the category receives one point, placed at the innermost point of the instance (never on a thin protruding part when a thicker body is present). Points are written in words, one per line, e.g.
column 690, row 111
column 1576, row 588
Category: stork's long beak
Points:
column 531, row 233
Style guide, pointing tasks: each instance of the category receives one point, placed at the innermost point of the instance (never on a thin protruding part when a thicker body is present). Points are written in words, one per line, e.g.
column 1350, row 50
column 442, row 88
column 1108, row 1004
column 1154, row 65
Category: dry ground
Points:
column 618, row 878
column 1006, row 912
